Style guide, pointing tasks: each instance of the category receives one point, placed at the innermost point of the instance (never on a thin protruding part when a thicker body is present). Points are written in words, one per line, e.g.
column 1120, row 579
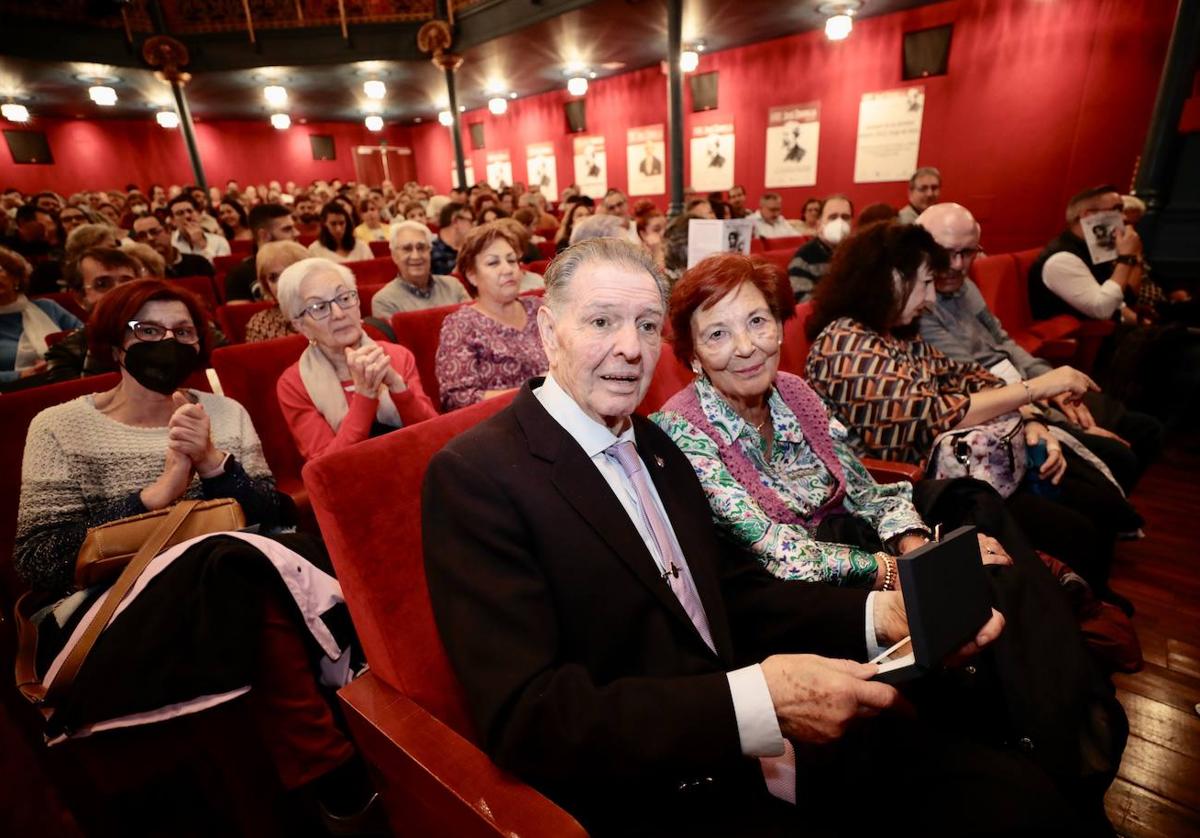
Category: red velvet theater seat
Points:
column 248, row 373
column 201, row 286
column 793, row 353
column 791, row 243
column 233, row 319
column 380, row 249
column 419, row 332
column 670, row 377
column 1006, row 292
column 373, row 271
column 407, row 714
column 778, row 258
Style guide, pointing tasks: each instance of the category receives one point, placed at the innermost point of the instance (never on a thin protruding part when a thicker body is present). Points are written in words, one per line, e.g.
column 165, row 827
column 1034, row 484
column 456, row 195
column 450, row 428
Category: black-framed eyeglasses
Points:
column 413, row 247
column 107, row 282
column 320, row 310
column 149, row 332
column 964, row 253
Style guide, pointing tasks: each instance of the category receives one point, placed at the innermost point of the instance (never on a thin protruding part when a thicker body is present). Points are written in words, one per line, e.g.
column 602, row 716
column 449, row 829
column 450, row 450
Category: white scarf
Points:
column 35, row 326
column 321, row 381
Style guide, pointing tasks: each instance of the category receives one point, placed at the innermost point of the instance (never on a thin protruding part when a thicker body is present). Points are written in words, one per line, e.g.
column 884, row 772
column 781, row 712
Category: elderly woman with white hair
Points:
column 415, row 286
column 346, row 387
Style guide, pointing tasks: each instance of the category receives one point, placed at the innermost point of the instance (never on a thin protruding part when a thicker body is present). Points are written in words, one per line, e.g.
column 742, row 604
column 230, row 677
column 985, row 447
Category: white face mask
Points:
column 834, row 230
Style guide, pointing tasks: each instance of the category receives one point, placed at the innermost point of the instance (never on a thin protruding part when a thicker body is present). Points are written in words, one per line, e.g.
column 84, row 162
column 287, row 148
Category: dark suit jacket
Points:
column 583, row 672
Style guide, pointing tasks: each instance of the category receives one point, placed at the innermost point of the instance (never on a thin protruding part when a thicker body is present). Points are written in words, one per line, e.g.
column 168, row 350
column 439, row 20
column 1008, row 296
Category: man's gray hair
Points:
column 620, row 253
column 921, row 172
column 599, row 227
column 293, row 276
column 770, row 196
column 415, row 226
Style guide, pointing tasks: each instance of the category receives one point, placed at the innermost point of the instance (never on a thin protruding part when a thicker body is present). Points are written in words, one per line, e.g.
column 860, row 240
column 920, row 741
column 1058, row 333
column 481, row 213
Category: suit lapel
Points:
column 582, row 485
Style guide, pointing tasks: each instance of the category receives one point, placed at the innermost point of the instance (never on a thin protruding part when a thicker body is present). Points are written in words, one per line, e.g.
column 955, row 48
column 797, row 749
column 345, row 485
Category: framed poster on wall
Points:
column 793, row 135
column 712, row 157
column 889, row 134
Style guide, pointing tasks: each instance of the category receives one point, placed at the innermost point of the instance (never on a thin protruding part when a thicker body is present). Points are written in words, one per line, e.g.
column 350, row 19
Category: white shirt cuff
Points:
column 874, row 650
column 758, row 728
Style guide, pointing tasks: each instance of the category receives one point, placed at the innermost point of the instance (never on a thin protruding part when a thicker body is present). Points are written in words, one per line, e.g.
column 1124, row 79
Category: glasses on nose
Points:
column 964, row 253
column 142, row 235
column 322, row 309
column 106, row 282
column 154, row 332
column 419, row 248
column 614, row 205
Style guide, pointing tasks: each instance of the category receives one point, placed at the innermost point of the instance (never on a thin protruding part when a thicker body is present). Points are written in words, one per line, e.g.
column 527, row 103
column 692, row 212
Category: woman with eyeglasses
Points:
column 336, row 240
column 217, row 618
column 270, row 262
column 346, row 387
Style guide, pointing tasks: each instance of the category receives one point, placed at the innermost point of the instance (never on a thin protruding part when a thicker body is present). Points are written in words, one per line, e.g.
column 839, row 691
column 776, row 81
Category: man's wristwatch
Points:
column 1129, row 259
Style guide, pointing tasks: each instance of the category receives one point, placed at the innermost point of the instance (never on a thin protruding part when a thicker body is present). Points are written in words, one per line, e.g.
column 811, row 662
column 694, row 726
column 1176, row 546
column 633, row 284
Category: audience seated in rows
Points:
column 416, row 286
column 577, row 210
column 190, row 237
column 812, row 259
column 769, row 222
column 149, row 230
column 809, row 222
column 620, row 706
column 372, row 228
column 346, row 387
column 491, row 345
column 897, row 395
column 960, row 325
column 454, row 222
column 234, row 221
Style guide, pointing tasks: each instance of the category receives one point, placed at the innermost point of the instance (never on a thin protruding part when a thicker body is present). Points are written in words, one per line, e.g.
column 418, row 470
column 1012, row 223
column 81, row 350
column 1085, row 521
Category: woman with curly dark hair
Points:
column 897, row 394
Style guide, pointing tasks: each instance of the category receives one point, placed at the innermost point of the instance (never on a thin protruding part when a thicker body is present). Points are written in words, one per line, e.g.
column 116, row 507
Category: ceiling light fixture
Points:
column 512, row 94
column 374, row 122
column 446, row 118
column 167, row 119
column 104, row 96
column 281, row 121
column 577, row 86
column 275, row 95
column 374, row 89
column 689, row 60
column 14, row 112
column 498, row 105
column 839, row 18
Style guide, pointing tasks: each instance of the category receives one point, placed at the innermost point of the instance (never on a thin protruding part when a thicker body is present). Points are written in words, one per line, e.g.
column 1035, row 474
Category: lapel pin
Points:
column 658, row 461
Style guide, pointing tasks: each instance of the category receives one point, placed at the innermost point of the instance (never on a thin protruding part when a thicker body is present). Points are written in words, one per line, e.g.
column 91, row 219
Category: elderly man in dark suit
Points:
column 649, row 679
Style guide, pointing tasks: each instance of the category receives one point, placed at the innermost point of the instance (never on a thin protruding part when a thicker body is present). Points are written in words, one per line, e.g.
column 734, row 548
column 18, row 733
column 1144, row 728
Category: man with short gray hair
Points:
column 769, row 222
column 924, row 189
column 415, row 286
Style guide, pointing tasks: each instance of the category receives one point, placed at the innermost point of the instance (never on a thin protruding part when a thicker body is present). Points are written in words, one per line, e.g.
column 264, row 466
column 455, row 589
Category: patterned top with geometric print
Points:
column 796, row 474
column 894, row 396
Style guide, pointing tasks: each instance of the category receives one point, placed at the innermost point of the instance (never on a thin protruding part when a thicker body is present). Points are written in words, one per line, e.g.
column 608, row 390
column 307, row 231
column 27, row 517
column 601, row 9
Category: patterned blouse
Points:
column 795, row 473
column 267, row 324
column 476, row 354
column 894, row 396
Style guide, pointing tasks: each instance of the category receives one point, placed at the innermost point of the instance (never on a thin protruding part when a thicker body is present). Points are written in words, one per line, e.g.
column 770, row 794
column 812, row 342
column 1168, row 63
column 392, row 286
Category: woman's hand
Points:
column 992, row 551
column 173, row 482
column 189, row 432
column 394, row 380
column 1061, row 380
column 1056, row 465
column 911, row 541
column 368, row 366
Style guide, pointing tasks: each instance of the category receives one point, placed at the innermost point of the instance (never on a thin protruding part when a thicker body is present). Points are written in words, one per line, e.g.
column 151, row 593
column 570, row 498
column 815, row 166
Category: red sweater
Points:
column 313, row 434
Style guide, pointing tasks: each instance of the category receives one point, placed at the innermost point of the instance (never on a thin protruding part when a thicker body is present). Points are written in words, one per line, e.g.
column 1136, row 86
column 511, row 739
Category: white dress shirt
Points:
column 213, row 245
column 758, row 727
column 778, row 228
column 1069, row 277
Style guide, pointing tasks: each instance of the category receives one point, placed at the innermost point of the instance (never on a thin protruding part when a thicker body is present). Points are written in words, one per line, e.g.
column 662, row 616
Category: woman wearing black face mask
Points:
column 221, row 603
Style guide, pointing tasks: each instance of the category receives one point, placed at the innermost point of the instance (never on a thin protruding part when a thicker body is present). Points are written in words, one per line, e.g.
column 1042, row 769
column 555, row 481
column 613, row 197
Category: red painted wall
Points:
column 108, row 153
column 1042, row 98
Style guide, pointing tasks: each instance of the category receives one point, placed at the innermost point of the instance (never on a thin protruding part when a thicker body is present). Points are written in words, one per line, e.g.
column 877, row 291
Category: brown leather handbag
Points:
column 123, row 548
column 108, row 548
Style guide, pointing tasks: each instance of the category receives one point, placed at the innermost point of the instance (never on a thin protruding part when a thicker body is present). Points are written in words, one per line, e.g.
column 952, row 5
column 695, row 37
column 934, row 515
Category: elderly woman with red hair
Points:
column 779, row 476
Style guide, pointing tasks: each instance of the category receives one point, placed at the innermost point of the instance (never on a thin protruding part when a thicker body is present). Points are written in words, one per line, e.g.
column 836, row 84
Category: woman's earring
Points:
column 696, row 368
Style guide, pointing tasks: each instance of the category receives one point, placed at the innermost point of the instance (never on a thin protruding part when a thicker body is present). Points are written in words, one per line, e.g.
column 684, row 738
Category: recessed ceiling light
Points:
column 512, row 94
column 498, row 105
column 374, row 122
column 14, row 112
column 167, row 119
column 689, row 60
column 102, row 95
column 446, row 118
column 275, row 95
column 281, row 121
column 374, row 89
column 577, row 86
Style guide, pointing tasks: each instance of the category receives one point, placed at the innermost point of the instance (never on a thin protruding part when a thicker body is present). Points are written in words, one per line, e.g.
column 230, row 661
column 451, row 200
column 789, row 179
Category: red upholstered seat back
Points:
column 670, row 377
column 233, row 318
column 419, row 332
column 367, row 499
column 793, row 354
column 17, row 410
column 248, row 373
column 380, row 249
column 366, row 293
column 201, row 286
column 539, row 266
column 373, row 271
column 241, row 247
column 224, row 264
column 791, row 243
column 546, row 248
column 778, row 258
column 1003, row 290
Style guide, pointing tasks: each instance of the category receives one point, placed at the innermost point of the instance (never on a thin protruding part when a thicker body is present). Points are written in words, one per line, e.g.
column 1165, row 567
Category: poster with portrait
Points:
column 470, row 175
column 591, row 166
column 709, row 236
column 542, row 170
column 499, row 169
column 646, row 156
column 889, row 134
column 793, row 134
column 712, row 157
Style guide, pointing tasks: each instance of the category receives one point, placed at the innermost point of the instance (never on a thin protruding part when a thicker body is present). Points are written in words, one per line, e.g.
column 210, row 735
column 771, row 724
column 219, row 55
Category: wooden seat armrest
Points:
column 887, row 471
column 435, row 782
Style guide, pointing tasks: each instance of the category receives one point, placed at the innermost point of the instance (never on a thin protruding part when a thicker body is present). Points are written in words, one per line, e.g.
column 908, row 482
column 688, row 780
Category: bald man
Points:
column 961, row 326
